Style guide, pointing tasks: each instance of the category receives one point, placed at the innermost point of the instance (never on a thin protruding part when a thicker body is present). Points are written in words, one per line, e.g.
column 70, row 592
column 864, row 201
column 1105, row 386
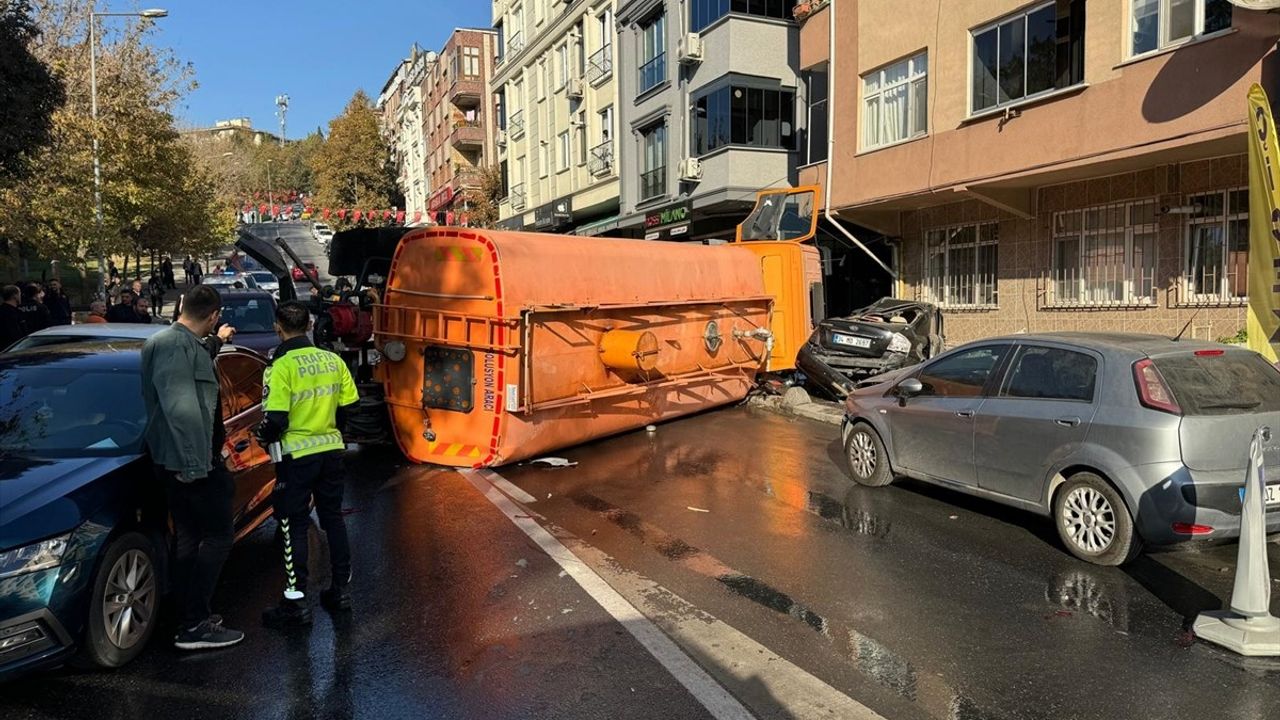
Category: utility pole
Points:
column 282, row 109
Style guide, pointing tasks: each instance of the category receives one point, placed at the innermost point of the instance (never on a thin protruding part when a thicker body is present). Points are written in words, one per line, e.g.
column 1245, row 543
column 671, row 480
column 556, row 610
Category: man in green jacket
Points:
column 185, row 435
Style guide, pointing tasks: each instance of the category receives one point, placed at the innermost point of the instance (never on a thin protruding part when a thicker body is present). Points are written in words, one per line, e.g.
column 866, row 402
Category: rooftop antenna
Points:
column 282, row 110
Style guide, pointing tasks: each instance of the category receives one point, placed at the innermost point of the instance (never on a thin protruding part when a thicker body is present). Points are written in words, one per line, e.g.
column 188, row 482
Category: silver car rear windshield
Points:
column 1231, row 383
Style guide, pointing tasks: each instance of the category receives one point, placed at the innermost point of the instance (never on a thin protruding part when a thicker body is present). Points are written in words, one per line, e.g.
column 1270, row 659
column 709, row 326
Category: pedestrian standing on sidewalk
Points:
column 156, row 290
column 58, row 303
column 35, row 316
column 97, row 312
column 185, row 435
column 11, row 327
column 166, row 274
column 305, row 388
column 123, row 311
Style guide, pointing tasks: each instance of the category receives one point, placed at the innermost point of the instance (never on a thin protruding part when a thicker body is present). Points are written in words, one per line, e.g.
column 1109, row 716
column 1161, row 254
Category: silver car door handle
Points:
column 964, row 413
column 1068, row 422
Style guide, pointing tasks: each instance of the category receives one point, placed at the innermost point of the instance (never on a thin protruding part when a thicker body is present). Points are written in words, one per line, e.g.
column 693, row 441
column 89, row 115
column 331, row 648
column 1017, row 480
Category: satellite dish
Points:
column 1256, row 4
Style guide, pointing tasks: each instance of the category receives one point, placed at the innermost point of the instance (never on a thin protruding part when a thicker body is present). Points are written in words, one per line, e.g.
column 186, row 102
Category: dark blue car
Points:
column 84, row 534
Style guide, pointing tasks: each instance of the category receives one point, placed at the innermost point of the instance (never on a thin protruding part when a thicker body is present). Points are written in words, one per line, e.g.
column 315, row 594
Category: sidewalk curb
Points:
column 798, row 404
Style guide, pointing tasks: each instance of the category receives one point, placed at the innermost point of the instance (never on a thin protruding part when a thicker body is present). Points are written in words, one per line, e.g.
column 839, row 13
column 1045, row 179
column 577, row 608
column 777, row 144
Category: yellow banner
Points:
column 1264, row 227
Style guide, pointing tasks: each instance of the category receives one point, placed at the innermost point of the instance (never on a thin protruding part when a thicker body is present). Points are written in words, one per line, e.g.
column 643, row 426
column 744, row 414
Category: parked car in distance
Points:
column 266, row 281
column 321, row 231
column 100, row 332
column 886, row 335
column 230, row 280
column 253, row 314
column 300, row 274
column 84, row 532
column 1121, row 439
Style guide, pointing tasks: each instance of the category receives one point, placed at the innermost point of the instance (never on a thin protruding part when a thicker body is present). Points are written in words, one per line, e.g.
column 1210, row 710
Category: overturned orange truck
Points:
column 501, row 346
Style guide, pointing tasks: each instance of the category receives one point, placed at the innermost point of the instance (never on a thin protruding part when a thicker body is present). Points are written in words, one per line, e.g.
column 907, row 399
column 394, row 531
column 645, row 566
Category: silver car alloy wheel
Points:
column 129, row 599
column 862, row 454
column 1089, row 519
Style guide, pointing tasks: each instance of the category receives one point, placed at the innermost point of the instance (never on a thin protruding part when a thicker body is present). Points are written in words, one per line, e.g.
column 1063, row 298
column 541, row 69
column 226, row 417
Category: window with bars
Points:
column 1105, row 255
column 961, row 265
column 1216, row 265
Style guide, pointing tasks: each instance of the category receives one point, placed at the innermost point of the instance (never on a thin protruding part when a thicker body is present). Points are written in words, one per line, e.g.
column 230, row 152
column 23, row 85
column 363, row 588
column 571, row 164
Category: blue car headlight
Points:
column 33, row 557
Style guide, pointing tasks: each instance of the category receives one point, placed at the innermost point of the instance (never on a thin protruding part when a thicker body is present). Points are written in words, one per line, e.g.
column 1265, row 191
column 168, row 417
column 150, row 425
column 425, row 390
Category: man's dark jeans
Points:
column 204, row 525
column 297, row 481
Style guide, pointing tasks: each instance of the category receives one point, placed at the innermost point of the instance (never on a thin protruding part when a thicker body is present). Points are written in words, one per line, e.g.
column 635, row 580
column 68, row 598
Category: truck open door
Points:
column 779, row 232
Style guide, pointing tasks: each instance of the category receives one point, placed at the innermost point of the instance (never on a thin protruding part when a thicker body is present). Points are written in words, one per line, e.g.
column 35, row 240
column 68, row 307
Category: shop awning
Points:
column 599, row 227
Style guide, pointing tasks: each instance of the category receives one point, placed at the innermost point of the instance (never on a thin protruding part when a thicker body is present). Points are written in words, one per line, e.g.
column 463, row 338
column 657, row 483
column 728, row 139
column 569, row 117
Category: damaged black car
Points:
column 887, row 335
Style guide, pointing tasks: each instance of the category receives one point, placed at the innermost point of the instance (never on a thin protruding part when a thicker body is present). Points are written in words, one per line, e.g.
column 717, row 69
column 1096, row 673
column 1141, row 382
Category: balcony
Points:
column 600, row 159
column 653, row 183
column 600, row 65
column 466, row 178
column 466, row 92
column 467, row 134
column 515, row 125
column 516, row 197
column 515, row 44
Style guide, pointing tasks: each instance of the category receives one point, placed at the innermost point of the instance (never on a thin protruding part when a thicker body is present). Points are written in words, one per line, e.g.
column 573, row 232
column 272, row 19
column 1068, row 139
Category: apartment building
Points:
column 458, row 119
column 401, row 104
column 708, row 112
column 556, row 86
column 1045, row 166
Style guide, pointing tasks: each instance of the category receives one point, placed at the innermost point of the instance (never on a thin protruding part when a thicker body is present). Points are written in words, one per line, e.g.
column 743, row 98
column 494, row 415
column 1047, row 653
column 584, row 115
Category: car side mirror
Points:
column 909, row 387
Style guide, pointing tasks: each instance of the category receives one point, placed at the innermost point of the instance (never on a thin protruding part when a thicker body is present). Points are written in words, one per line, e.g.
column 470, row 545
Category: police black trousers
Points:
column 318, row 476
column 204, row 529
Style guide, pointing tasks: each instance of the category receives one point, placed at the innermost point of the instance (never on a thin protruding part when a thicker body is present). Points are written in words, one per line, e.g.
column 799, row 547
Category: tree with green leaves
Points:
column 29, row 91
column 353, row 169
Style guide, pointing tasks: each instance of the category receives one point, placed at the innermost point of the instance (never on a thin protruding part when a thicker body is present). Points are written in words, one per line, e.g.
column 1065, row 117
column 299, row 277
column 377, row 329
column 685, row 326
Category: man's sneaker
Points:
column 288, row 614
column 208, row 635
column 336, row 599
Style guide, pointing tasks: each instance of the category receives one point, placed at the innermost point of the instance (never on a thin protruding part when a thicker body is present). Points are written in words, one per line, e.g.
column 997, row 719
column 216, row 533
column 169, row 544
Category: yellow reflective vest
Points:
column 310, row 384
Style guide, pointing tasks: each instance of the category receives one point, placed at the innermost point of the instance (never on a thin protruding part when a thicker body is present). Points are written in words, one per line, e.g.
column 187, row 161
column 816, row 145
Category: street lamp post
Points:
column 93, row 92
column 271, row 203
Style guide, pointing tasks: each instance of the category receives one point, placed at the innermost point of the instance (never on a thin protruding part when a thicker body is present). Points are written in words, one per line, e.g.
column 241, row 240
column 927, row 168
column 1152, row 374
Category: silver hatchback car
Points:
column 1121, row 439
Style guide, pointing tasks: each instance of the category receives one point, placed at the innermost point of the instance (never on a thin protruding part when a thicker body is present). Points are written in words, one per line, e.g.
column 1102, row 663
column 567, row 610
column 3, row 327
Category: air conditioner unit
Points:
column 575, row 88
column 691, row 49
column 502, row 138
column 691, row 169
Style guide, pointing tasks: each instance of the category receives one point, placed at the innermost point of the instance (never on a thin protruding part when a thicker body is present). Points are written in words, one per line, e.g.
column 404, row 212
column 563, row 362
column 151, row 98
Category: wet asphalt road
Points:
column 915, row 601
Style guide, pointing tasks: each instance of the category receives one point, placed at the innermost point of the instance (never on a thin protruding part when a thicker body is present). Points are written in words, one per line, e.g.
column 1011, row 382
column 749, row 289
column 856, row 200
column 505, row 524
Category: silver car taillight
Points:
column 1153, row 391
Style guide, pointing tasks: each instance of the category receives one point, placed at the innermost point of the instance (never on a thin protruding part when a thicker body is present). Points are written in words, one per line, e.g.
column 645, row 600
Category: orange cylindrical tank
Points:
column 517, row 344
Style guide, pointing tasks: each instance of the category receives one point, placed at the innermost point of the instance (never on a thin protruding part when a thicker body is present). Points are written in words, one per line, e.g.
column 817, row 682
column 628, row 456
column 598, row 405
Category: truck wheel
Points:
column 866, row 456
column 1093, row 521
column 125, row 604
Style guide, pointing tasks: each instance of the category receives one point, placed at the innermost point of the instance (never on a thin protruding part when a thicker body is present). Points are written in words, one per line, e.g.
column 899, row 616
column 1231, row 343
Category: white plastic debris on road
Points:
column 553, row 462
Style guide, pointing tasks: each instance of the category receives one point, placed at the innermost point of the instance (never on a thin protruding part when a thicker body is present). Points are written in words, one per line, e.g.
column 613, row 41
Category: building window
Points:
column 1217, row 260
column 563, row 146
column 749, row 116
column 604, row 28
column 544, row 159
column 1157, row 24
column 471, row 62
column 653, row 52
column 1028, row 54
column 582, row 48
column 815, row 150
column 895, row 102
column 653, row 162
column 1105, row 255
column 704, row 12
column 582, row 145
column 562, row 66
column 961, row 265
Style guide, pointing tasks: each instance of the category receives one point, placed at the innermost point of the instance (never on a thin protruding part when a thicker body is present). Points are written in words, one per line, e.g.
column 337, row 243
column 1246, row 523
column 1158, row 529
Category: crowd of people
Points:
column 26, row 307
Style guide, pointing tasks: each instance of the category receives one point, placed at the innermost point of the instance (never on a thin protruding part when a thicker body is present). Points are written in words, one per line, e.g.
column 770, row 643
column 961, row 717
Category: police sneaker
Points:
column 208, row 635
column 336, row 599
column 288, row 614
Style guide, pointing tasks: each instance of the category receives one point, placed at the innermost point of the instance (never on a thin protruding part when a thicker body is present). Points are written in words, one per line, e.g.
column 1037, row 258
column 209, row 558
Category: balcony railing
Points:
column 515, row 125
column 514, row 45
column 467, row 133
column 600, row 65
column 600, row 161
column 465, row 178
column 653, row 183
column 653, row 72
column 516, row 197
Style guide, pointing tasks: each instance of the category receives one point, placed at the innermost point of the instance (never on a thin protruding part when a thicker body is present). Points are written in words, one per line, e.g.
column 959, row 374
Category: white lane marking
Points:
column 507, row 487
column 688, row 673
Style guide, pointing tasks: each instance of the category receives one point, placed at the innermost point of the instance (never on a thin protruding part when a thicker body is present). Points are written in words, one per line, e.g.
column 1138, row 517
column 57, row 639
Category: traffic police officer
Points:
column 305, row 388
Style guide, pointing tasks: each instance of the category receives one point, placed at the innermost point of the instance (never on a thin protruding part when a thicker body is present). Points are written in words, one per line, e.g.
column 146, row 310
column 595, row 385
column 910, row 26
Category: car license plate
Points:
column 1273, row 495
column 851, row 340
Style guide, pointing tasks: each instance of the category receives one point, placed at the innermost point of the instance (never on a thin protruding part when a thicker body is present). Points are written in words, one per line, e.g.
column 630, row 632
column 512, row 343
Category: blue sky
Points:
column 318, row 52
